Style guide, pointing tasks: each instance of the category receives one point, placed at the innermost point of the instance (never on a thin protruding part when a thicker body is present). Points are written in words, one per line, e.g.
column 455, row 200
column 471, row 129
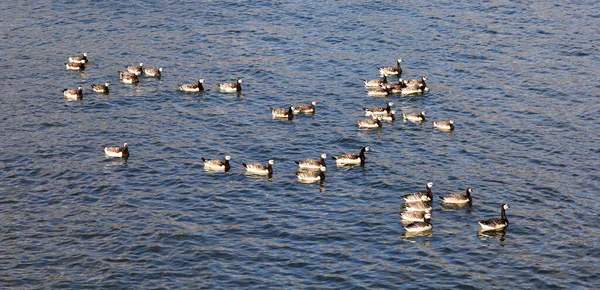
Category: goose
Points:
column 192, row 87
column 381, row 92
column 217, row 165
column 312, row 163
column 79, row 59
column 73, row 94
column 391, row 117
column 414, row 117
column 379, row 110
column 444, row 125
column 375, row 83
column 230, row 87
column 391, row 71
column 116, row 151
column 418, row 196
column 416, row 83
column 407, row 91
column 75, row 66
column 153, row 72
column 458, row 198
column 370, row 123
column 128, row 78
column 425, row 225
column 396, row 88
column 101, row 88
column 259, row 169
column 352, row 159
column 305, row 109
column 418, row 205
column 414, row 216
column 312, row 176
column 496, row 224
column 136, row 69
column 283, row 113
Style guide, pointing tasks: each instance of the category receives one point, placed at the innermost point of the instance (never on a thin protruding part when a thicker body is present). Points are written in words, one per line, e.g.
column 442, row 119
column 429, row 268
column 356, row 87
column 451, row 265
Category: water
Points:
column 520, row 80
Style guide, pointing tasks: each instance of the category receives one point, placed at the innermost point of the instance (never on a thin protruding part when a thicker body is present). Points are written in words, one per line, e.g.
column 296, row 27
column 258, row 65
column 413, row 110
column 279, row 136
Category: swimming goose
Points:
column 458, row 198
column 391, row 71
column 414, row 216
column 75, row 66
column 283, row 113
column 128, row 78
column 116, row 151
column 73, row 94
column 391, row 117
column 259, row 169
column 444, row 125
column 375, row 83
column 136, row 69
column 417, row 205
column 425, row 225
column 370, row 123
column 351, row 159
column 414, row 117
column 230, row 87
column 381, row 92
column 378, row 110
column 407, row 91
column 79, row 59
column 153, row 72
column 495, row 224
column 192, row 87
column 418, row 196
column 416, row 83
column 305, row 109
column 101, row 88
column 217, row 165
column 312, row 176
column 312, row 163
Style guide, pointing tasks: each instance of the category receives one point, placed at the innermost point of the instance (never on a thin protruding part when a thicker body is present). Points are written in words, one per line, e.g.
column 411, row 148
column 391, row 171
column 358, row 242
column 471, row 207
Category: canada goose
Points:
column 414, row 216
column 496, row 224
column 418, row 196
column 217, row 165
column 444, row 125
column 153, row 72
column 387, row 117
column 425, row 225
column 352, row 159
column 259, row 169
column 375, row 83
column 378, row 110
column 79, row 59
column 283, row 113
column 312, row 176
column 391, row 71
column 116, row 151
column 414, row 117
column 417, row 205
column 370, row 123
column 75, row 66
column 73, row 94
column 305, row 109
column 136, row 69
column 128, row 78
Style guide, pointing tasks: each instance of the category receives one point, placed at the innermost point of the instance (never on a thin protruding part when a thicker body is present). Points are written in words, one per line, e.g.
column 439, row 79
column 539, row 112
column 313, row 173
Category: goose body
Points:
column 283, row 113
column 414, row 117
column 305, row 109
column 129, row 78
column 370, row 123
column 458, row 198
column 387, row 117
column 313, row 164
column 217, row 165
column 380, row 92
column 416, row 83
column 407, row 91
column 379, row 111
column 259, row 169
column 230, row 87
column 444, row 125
column 377, row 83
column 101, row 88
column 136, row 69
column 153, row 72
column 413, row 216
column 116, row 151
column 352, row 159
column 496, row 224
column 420, row 196
column 425, row 225
column 192, row 87
column 73, row 94
column 391, row 71
column 79, row 59
column 417, row 206
column 75, row 66
column 312, row 176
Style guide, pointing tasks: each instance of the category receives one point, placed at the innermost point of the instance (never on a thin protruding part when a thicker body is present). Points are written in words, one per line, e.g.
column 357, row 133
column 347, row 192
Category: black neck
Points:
column 290, row 113
column 227, row 166
column 322, row 162
column 362, row 156
column 503, row 214
column 429, row 193
column 200, row 86
column 238, row 86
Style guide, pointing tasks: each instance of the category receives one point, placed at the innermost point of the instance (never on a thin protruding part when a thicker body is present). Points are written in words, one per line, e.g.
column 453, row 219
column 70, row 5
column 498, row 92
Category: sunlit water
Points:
column 520, row 80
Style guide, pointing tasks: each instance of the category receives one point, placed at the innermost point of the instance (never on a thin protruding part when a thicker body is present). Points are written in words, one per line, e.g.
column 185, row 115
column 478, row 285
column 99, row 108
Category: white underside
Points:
column 250, row 168
column 345, row 161
column 412, row 216
column 377, row 93
column 186, row 88
column 112, row 154
column 213, row 167
column 455, row 200
column 127, row 80
column 228, row 89
column 414, row 229
column 414, row 119
column 491, row 228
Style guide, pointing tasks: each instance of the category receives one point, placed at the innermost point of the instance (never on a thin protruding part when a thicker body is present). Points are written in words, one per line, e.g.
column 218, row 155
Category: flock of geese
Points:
column 416, row 211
